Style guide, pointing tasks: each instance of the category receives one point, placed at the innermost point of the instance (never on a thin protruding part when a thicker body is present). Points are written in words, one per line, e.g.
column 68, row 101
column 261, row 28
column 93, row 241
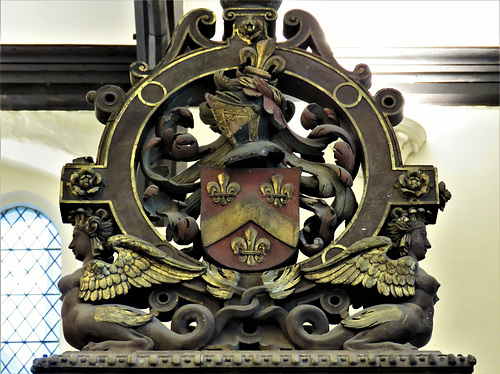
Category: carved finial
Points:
column 250, row 4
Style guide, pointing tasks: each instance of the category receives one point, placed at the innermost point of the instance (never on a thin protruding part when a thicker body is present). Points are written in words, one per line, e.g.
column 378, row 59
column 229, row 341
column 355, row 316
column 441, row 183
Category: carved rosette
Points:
column 85, row 182
column 250, row 30
column 250, row 249
column 414, row 183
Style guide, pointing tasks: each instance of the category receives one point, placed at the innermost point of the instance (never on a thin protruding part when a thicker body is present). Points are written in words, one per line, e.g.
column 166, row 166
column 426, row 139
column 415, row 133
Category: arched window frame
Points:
column 30, row 304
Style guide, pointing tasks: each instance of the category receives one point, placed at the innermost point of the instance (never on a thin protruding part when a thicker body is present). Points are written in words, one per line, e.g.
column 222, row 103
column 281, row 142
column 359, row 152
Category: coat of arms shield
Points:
column 250, row 217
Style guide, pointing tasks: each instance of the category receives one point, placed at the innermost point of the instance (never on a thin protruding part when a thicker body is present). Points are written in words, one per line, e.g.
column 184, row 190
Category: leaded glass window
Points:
column 30, row 270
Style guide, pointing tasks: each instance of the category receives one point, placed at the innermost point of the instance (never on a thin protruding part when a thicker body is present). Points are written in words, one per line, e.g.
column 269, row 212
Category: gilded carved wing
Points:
column 366, row 263
column 139, row 264
column 279, row 283
column 222, row 283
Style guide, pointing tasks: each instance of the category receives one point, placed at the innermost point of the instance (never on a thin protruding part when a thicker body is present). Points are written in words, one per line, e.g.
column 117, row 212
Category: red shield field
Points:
column 250, row 217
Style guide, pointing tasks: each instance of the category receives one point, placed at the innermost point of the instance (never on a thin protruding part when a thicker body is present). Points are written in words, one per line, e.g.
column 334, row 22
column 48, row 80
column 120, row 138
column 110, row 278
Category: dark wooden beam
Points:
column 57, row 77
column 446, row 76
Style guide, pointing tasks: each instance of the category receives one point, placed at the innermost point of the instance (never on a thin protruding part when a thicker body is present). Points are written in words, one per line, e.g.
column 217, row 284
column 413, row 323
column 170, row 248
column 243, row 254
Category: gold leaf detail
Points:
column 277, row 192
column 85, row 182
column 281, row 285
column 223, row 283
column 251, row 250
column 222, row 191
column 414, row 183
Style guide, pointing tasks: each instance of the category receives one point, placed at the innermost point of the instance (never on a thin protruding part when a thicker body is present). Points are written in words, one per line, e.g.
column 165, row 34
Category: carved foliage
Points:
column 222, row 283
column 247, row 96
column 282, row 284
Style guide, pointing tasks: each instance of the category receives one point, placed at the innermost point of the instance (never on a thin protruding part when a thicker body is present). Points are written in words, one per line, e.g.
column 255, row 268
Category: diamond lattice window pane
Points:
column 30, row 271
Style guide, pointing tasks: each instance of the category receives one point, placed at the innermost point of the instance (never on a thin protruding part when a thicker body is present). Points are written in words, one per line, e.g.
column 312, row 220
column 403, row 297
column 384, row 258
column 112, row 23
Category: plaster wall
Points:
column 462, row 142
column 34, row 148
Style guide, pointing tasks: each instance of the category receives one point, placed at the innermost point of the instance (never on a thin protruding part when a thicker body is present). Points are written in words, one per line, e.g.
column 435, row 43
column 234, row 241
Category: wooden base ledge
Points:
column 256, row 361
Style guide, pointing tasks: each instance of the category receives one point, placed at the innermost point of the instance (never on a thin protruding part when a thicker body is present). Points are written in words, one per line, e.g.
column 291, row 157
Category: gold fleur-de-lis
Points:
column 277, row 193
column 223, row 192
column 250, row 249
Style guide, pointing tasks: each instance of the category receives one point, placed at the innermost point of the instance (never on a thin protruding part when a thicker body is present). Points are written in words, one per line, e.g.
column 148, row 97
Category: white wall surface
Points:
column 462, row 142
column 369, row 24
column 34, row 148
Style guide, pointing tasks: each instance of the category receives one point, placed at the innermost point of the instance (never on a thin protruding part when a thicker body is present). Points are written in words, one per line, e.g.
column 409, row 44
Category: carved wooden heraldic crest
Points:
column 214, row 248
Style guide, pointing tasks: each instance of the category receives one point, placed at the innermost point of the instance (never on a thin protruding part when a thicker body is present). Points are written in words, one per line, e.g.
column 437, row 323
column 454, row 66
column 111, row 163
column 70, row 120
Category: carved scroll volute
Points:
column 193, row 32
column 303, row 31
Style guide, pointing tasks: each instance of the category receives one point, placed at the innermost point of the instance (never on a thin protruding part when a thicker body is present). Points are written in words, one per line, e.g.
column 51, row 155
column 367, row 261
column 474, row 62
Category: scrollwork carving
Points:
column 303, row 32
column 138, row 71
column 246, row 189
column 194, row 32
